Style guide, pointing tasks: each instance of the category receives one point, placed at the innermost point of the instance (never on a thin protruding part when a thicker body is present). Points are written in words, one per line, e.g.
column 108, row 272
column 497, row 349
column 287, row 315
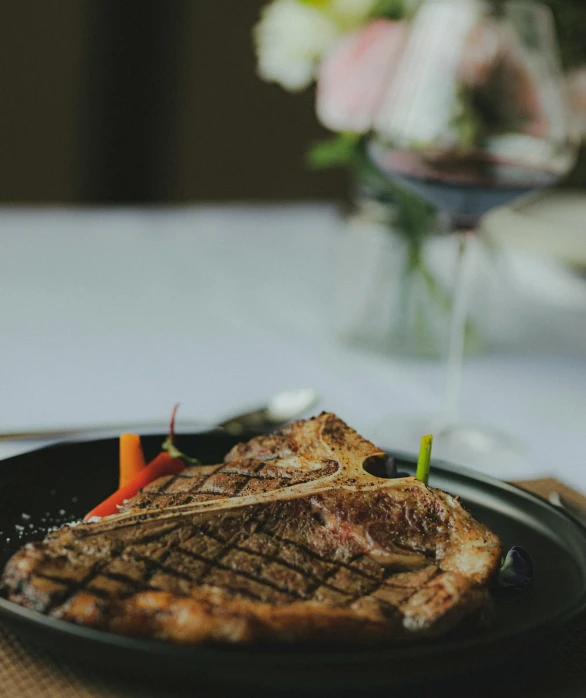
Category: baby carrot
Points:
column 131, row 457
column 163, row 464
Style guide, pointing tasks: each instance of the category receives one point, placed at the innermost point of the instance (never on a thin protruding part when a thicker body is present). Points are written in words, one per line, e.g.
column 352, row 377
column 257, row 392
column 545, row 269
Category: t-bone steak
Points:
column 288, row 540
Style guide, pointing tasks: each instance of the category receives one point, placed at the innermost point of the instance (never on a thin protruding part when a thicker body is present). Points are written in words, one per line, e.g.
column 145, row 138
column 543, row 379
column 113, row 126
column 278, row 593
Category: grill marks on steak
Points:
column 235, row 478
column 341, row 564
column 276, row 570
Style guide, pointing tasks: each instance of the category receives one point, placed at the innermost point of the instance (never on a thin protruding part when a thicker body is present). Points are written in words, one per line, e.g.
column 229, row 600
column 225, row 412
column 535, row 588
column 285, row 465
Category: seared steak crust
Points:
column 193, row 559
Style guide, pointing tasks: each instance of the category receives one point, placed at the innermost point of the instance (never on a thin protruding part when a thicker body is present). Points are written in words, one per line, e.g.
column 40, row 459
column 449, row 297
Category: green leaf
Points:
column 467, row 121
column 338, row 151
column 314, row 3
column 390, row 9
column 414, row 215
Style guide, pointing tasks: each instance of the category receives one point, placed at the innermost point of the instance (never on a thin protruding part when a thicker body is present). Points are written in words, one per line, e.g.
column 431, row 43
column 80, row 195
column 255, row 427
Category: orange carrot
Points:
column 163, row 464
column 131, row 457
column 134, row 474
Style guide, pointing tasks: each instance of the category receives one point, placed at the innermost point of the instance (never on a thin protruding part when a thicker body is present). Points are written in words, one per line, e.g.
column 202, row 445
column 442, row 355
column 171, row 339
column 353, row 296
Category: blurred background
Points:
column 110, row 102
column 145, row 131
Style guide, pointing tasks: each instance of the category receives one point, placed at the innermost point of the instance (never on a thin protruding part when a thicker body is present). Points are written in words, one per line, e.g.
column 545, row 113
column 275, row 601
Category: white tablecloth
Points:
column 111, row 315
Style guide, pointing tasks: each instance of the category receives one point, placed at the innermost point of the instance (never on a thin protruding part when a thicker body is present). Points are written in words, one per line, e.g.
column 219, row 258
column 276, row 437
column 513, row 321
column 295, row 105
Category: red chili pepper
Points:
column 163, row 464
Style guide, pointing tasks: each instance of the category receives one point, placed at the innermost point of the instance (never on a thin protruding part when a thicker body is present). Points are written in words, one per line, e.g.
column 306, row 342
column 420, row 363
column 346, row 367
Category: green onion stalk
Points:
column 424, row 460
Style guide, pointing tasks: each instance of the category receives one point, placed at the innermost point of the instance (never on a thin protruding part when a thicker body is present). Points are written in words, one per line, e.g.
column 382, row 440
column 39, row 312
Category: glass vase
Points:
column 394, row 285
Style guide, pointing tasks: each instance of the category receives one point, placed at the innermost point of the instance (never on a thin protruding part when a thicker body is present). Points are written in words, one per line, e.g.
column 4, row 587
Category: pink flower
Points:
column 353, row 77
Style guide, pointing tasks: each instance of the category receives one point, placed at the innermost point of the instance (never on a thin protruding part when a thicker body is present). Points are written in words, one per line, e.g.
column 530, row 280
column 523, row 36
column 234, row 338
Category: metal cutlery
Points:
column 279, row 410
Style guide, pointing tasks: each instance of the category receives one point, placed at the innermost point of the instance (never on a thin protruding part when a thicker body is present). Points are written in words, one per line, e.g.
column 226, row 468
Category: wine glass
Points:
column 475, row 117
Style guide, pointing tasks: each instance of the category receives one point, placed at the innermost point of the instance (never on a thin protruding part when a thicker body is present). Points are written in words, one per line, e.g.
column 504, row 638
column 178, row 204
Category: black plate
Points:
column 60, row 483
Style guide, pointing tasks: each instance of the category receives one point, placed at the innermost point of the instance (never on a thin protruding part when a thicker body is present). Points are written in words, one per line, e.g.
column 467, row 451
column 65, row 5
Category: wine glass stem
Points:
column 457, row 335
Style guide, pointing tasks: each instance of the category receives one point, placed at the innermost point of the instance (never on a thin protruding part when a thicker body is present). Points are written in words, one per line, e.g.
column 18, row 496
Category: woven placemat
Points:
column 28, row 671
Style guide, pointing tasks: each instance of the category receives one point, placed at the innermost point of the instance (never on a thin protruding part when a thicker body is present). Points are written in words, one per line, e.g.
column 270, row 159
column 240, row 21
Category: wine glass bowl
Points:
column 476, row 115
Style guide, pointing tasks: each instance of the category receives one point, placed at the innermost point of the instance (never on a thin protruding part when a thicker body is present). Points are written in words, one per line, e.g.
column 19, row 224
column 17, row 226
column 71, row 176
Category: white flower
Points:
column 290, row 37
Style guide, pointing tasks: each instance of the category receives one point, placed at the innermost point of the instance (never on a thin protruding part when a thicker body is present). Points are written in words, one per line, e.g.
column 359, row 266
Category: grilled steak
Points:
column 289, row 539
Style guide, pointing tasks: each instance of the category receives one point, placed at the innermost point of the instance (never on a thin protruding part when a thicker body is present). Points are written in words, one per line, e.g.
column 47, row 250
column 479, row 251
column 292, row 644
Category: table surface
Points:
column 115, row 314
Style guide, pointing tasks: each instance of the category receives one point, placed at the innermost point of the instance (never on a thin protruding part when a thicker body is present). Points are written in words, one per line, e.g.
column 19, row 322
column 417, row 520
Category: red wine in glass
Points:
column 464, row 188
